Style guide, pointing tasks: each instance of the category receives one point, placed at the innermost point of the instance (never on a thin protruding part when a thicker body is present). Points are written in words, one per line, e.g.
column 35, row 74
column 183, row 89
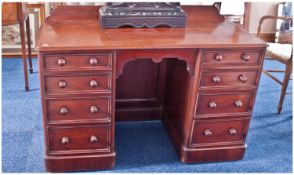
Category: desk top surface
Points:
column 78, row 28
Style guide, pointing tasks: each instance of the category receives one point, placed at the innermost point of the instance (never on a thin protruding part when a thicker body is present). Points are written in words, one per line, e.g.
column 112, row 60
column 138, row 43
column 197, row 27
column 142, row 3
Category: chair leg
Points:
column 28, row 31
column 284, row 86
column 24, row 55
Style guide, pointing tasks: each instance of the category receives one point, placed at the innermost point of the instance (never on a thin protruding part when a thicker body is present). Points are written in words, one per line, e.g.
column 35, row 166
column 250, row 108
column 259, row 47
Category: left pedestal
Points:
column 78, row 110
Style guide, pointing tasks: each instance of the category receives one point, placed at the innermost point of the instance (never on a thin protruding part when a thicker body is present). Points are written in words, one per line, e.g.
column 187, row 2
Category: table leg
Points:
column 24, row 61
column 28, row 31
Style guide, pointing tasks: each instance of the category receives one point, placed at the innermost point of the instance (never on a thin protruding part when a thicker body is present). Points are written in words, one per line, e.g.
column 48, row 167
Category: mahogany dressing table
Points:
column 201, row 81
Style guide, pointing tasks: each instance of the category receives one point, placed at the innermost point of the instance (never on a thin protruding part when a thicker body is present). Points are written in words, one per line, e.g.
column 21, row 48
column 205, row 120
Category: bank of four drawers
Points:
column 226, row 93
column 78, row 102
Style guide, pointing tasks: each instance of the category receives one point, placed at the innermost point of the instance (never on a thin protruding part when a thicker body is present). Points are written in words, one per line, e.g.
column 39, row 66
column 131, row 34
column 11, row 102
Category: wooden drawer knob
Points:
column 93, row 139
column 243, row 78
column 207, row 133
column 238, row 103
column 62, row 84
column 65, row 140
column 218, row 57
column 63, row 110
column 212, row 105
column 245, row 57
column 93, row 61
column 93, row 83
column 216, row 79
column 233, row 131
column 93, row 109
column 61, row 62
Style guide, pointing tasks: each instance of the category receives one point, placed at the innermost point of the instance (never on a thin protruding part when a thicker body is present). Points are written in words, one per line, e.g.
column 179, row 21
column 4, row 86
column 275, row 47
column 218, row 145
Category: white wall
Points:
column 259, row 9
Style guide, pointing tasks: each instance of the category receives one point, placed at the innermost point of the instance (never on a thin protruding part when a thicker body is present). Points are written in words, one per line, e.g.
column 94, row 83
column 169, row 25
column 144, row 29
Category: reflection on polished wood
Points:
column 202, row 31
column 201, row 81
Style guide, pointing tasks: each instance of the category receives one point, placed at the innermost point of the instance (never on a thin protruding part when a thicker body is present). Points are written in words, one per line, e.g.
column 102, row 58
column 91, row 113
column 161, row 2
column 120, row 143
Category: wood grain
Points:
column 202, row 31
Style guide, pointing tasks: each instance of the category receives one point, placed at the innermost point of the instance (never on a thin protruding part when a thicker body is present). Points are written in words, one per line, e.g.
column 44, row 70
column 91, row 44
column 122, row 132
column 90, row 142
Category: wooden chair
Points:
column 280, row 51
column 16, row 13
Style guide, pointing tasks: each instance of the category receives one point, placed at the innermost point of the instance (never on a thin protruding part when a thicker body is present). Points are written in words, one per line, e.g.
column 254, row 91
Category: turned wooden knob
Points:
column 216, row 79
column 207, row 132
column 61, row 62
column 93, row 109
column 212, row 105
column 93, row 139
column 93, row 83
column 93, row 61
column 65, row 140
column 238, row 103
column 245, row 57
column 233, row 131
column 63, row 110
column 62, row 84
column 218, row 57
column 243, row 78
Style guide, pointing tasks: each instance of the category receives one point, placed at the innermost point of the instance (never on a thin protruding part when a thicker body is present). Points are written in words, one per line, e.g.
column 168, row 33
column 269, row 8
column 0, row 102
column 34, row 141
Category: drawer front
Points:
column 98, row 83
column 79, row 139
column 224, row 103
column 79, row 62
column 217, row 132
column 75, row 110
column 227, row 79
column 231, row 57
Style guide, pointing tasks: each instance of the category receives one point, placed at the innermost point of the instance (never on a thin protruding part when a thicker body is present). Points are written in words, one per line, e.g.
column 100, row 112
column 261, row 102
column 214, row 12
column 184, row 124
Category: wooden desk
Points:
column 91, row 77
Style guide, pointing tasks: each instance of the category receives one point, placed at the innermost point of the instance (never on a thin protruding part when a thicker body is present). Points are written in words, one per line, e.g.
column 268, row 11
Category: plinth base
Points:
column 79, row 163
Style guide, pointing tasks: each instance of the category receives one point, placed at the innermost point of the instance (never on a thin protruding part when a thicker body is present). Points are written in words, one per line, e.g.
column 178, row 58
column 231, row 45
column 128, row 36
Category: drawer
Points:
column 215, row 104
column 78, row 110
column 78, row 62
column 229, row 79
column 211, row 132
column 97, row 83
column 232, row 57
column 82, row 139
